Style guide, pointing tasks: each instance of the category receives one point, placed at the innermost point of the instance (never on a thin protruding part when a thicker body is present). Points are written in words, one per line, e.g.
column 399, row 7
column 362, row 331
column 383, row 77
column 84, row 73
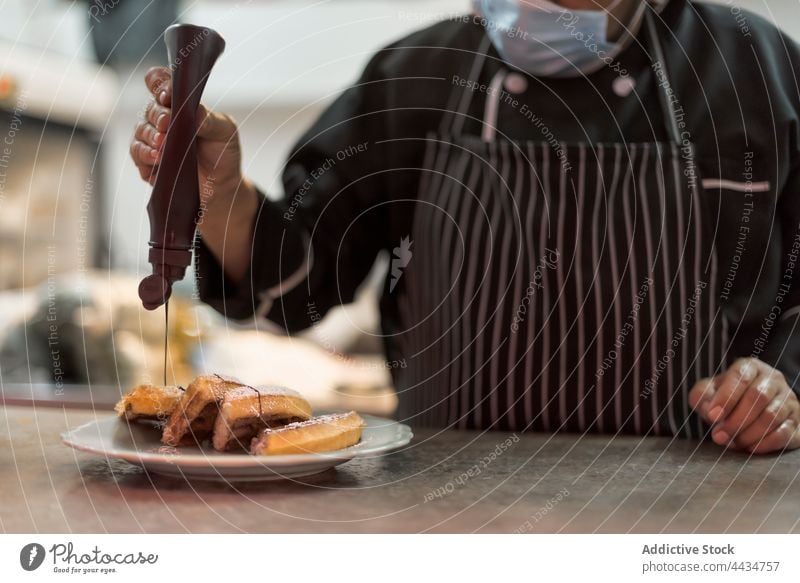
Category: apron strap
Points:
column 665, row 93
column 492, row 105
column 453, row 119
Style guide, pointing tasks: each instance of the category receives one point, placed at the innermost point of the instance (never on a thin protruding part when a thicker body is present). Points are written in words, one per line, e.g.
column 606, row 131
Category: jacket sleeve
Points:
column 783, row 349
column 313, row 248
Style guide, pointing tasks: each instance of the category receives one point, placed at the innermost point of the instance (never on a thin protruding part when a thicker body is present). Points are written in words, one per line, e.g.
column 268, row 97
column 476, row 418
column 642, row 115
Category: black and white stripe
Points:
column 619, row 215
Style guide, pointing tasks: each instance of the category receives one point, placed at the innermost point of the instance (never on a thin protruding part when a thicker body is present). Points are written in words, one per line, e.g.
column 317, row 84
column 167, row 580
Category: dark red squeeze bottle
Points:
column 175, row 202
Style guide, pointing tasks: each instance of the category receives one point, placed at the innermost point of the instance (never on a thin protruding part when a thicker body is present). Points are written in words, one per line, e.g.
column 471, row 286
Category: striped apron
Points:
column 558, row 287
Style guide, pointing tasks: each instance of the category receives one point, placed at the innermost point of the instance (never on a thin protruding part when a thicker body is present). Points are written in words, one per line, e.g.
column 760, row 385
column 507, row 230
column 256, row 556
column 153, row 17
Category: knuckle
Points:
column 697, row 392
column 771, row 417
column 764, row 391
column 748, row 368
column 228, row 119
column 777, row 376
column 155, row 76
column 153, row 110
column 229, row 124
column 141, row 152
column 787, row 429
column 155, row 71
column 134, row 150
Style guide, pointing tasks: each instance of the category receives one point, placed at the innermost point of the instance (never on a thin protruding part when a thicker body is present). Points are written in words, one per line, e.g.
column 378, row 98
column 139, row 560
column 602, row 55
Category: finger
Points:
column 785, row 437
column 214, row 126
column 731, row 386
column 147, row 173
column 773, row 416
column 760, row 393
column 159, row 83
column 700, row 396
column 147, row 133
column 158, row 116
column 143, row 154
column 164, row 96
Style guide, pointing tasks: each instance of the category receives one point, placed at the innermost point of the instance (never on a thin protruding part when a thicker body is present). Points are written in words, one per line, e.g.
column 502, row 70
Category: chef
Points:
column 591, row 209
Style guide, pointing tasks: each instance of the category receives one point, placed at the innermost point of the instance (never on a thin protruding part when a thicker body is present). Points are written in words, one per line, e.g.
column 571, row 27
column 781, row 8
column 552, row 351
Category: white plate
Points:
column 139, row 444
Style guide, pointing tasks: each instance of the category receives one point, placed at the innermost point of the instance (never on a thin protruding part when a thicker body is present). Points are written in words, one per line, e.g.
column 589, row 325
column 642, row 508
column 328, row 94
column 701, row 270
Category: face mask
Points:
column 547, row 40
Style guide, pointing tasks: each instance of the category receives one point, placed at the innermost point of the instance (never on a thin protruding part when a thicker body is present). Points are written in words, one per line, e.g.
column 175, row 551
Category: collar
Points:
column 632, row 28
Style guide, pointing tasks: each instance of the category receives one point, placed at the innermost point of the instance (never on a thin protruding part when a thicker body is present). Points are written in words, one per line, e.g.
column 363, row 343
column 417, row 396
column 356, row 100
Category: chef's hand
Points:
column 218, row 152
column 228, row 198
column 750, row 407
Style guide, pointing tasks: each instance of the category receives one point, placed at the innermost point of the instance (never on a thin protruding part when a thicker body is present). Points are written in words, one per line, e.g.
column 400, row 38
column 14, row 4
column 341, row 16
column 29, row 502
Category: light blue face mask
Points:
column 545, row 39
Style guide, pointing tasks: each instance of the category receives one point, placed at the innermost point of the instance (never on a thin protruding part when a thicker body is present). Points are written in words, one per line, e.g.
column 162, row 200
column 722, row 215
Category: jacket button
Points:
column 515, row 83
column 623, row 85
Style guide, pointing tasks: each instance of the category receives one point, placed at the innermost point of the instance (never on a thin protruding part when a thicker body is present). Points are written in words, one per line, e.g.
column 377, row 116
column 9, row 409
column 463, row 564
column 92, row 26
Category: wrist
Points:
column 222, row 206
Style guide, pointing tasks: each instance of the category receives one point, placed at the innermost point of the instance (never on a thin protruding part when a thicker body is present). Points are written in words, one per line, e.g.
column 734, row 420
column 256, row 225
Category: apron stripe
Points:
column 630, row 270
column 699, row 273
column 501, row 281
column 444, row 292
column 616, row 283
column 460, row 306
column 561, row 296
column 487, row 351
column 598, row 253
column 517, row 277
column 669, row 291
column 546, row 316
column 580, row 293
column 427, row 268
column 472, row 291
column 532, row 333
column 432, row 352
column 468, row 355
column 683, row 234
column 485, row 288
column 654, row 319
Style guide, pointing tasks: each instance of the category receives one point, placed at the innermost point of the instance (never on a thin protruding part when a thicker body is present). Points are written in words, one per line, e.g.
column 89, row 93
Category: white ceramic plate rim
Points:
column 241, row 460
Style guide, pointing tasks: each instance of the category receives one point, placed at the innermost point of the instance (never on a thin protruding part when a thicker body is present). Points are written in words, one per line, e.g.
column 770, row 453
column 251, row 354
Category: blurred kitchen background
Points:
column 73, row 228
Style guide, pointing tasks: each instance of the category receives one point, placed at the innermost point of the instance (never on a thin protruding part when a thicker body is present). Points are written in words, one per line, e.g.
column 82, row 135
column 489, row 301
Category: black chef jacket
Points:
column 351, row 180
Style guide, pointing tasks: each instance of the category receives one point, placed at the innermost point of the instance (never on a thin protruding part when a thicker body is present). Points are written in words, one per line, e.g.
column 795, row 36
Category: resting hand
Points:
column 750, row 408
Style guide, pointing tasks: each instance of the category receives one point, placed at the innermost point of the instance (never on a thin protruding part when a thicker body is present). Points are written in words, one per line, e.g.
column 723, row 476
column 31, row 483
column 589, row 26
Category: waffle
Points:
column 324, row 433
column 149, row 402
column 247, row 410
column 193, row 419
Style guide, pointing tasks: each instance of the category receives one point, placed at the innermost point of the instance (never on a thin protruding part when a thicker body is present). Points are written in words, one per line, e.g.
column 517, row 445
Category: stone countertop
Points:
column 451, row 481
